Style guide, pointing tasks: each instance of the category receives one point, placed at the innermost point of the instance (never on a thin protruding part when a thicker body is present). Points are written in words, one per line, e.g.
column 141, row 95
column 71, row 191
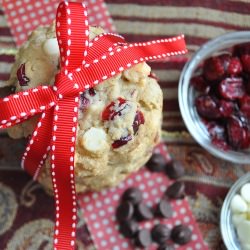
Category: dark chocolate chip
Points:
column 125, row 211
column 143, row 238
column 160, row 233
column 164, row 209
column 143, row 212
column 129, row 228
column 157, row 163
column 166, row 247
column 133, row 195
column 175, row 169
column 176, row 190
column 181, row 234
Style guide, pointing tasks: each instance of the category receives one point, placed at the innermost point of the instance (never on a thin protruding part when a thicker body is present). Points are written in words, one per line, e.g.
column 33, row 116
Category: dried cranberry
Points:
column 246, row 142
column 213, row 69
column 245, row 60
column 84, row 101
column 110, row 112
column 236, row 132
column 122, row 141
column 234, row 67
column 207, row 107
column 231, row 88
column 226, row 108
column 139, row 119
column 245, row 105
column 22, row 78
column 153, row 75
column 92, row 92
column 199, row 83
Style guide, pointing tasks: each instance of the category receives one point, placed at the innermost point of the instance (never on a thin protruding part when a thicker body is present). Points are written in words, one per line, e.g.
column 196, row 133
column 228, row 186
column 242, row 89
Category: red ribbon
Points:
column 84, row 64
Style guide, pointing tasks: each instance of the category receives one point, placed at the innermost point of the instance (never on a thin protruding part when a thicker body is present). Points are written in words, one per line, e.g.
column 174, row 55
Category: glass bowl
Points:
column 227, row 228
column 187, row 93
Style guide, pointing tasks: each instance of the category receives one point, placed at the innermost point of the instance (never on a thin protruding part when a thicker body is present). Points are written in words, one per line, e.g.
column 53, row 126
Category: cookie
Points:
column 119, row 121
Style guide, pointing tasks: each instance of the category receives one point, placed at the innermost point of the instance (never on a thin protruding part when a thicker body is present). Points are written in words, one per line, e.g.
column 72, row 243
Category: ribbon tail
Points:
column 39, row 145
column 62, row 171
column 20, row 106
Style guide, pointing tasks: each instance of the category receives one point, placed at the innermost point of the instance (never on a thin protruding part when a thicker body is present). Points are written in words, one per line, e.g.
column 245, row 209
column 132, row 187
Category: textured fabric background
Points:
column 207, row 177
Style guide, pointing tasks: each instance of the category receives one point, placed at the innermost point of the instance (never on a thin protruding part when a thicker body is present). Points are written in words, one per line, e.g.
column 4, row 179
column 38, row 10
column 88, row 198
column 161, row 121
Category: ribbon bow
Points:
column 84, row 64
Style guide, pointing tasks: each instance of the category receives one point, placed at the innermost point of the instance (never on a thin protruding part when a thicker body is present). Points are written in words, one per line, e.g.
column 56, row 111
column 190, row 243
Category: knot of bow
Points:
column 83, row 64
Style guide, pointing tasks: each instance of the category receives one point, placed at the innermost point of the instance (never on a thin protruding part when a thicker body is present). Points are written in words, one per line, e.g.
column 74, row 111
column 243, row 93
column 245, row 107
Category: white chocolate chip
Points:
column 243, row 230
column 51, row 47
column 94, row 140
column 238, row 205
column 245, row 192
column 238, row 218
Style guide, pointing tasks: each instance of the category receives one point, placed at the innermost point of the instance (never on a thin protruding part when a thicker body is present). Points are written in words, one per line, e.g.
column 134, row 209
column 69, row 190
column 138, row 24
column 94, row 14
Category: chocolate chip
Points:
column 133, row 195
column 176, row 190
column 143, row 212
column 166, row 247
column 181, row 234
column 125, row 211
column 175, row 169
column 164, row 209
column 156, row 163
column 160, row 233
column 129, row 228
column 143, row 238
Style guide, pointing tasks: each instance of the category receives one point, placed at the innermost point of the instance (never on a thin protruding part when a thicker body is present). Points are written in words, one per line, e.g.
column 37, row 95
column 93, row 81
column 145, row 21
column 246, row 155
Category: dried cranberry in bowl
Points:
column 227, row 102
column 222, row 93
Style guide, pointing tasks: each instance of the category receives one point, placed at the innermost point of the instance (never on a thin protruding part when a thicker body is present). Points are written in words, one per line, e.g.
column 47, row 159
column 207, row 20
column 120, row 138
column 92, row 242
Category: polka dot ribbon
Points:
column 84, row 64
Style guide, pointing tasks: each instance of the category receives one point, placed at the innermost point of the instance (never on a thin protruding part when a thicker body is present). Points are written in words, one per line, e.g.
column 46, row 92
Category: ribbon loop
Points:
column 72, row 30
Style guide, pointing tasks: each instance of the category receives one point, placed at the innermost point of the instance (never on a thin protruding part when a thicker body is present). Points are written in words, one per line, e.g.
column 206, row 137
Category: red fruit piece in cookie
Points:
column 207, row 107
column 213, row 69
column 23, row 80
column 84, row 100
column 153, row 75
column 122, row 141
column 139, row 119
column 232, row 88
column 114, row 109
